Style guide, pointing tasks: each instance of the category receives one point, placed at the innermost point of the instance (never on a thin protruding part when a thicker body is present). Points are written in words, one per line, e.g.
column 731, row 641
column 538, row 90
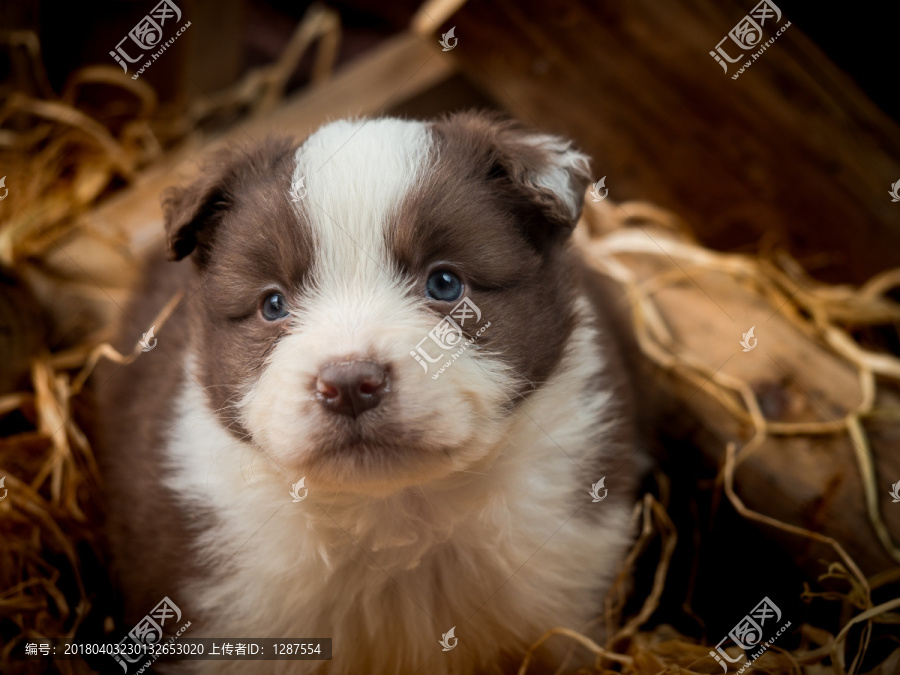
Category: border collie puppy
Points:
column 383, row 409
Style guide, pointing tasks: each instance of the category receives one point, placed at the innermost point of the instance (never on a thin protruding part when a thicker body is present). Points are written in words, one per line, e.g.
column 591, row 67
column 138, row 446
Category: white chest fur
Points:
column 502, row 553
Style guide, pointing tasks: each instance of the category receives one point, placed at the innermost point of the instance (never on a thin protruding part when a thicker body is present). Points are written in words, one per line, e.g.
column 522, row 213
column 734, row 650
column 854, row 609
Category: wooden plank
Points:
column 792, row 150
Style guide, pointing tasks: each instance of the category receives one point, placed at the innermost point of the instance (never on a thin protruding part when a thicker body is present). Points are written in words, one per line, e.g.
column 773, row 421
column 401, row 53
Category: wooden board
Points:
column 790, row 152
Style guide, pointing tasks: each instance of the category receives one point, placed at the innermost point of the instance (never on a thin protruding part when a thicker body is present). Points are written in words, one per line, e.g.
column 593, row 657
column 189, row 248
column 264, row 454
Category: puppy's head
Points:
column 374, row 304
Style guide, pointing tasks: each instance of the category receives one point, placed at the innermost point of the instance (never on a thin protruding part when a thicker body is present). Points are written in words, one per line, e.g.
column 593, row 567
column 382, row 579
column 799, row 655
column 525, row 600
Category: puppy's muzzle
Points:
column 351, row 387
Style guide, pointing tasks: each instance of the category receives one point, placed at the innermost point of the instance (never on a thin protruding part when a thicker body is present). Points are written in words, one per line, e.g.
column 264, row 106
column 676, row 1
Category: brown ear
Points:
column 543, row 171
column 193, row 213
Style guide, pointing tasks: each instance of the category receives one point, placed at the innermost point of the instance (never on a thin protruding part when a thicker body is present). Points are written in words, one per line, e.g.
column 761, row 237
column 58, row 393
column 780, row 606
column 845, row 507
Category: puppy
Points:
column 381, row 410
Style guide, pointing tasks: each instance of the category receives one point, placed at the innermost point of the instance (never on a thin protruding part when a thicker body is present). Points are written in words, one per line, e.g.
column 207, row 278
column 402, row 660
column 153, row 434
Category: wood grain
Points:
column 791, row 151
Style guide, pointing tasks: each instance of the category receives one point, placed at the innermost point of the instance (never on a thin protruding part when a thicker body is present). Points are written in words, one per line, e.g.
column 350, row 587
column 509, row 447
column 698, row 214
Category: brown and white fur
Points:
column 457, row 501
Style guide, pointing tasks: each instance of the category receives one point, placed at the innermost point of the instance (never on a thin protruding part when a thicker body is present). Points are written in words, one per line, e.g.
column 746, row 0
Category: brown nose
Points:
column 352, row 387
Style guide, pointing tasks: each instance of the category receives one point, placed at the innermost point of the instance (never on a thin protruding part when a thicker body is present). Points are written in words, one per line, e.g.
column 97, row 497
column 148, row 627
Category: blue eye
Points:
column 274, row 307
column 444, row 286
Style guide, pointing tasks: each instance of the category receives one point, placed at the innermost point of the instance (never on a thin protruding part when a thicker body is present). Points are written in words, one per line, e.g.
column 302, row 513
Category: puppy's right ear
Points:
column 193, row 213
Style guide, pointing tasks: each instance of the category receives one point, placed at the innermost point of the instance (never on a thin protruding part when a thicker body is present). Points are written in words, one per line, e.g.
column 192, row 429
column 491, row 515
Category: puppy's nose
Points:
column 352, row 387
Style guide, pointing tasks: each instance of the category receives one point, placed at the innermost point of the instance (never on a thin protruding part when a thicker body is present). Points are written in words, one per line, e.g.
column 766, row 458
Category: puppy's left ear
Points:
column 552, row 174
column 543, row 178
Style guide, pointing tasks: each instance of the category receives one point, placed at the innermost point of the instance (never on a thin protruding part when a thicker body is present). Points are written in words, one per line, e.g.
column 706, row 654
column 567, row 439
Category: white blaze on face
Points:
column 355, row 305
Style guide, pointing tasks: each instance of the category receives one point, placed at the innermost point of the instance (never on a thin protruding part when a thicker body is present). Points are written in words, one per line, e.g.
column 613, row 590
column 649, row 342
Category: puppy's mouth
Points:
column 364, row 454
column 375, row 436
